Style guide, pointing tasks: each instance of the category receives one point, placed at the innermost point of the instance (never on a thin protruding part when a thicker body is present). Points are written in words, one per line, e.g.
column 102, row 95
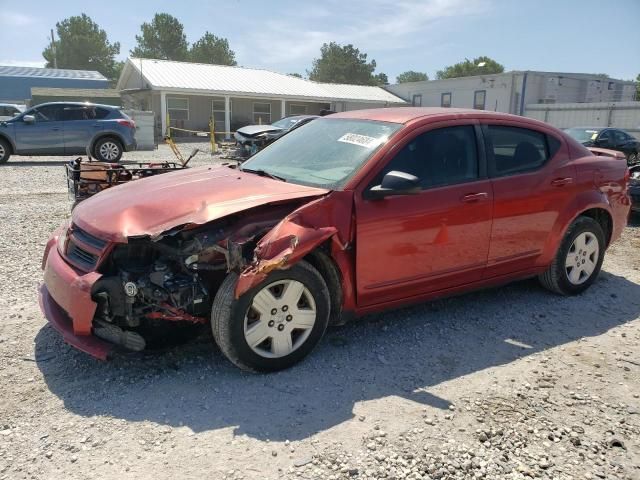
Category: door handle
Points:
column 475, row 197
column 561, row 182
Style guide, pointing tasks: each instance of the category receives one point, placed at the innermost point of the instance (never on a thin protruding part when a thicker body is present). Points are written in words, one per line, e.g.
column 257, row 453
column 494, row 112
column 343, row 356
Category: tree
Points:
column 638, row 87
column 212, row 49
column 411, row 76
column 297, row 75
column 83, row 45
column 163, row 38
column 346, row 64
column 477, row 66
column 381, row 79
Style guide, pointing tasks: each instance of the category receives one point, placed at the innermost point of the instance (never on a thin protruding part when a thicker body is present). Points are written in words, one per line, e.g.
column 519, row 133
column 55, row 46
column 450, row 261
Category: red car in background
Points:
column 350, row 214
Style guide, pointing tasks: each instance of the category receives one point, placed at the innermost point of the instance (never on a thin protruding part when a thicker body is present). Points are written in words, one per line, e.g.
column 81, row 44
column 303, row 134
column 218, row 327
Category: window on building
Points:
column 513, row 150
column 611, row 85
column 217, row 111
column 262, row 113
column 445, row 156
column 416, row 101
column 178, row 108
column 445, row 100
column 297, row 109
column 479, row 97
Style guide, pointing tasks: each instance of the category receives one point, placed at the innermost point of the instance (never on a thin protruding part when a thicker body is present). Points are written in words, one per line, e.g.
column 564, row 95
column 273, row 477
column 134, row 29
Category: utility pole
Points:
column 53, row 50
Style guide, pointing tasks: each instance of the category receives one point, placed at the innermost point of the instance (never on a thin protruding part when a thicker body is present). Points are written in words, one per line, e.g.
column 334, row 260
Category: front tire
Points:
column 5, row 151
column 578, row 260
column 108, row 149
column 275, row 324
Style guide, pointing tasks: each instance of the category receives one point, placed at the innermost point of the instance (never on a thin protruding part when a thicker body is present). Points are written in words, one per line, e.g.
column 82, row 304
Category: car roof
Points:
column 79, row 104
column 407, row 115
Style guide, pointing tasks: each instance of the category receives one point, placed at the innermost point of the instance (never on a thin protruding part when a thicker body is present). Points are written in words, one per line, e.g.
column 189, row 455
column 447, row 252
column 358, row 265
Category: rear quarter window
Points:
column 513, row 150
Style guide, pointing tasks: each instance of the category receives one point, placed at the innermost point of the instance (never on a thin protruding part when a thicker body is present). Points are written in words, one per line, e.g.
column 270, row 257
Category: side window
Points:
column 514, row 150
column 605, row 136
column 101, row 113
column 444, row 156
column 48, row 113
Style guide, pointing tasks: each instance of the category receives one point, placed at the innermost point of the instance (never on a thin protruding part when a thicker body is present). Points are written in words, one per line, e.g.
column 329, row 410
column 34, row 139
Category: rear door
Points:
column 410, row 245
column 45, row 136
column 81, row 123
column 533, row 181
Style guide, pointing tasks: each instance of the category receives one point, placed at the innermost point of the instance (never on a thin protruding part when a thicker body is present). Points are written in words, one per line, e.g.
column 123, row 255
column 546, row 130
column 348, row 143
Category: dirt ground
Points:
column 512, row 382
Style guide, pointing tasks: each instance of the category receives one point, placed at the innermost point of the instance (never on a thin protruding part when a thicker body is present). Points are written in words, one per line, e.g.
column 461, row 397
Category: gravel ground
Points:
column 505, row 383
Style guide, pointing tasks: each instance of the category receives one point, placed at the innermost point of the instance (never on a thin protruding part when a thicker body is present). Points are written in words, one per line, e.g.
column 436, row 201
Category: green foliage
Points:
column 83, row 45
column 212, row 49
column 344, row 64
column 381, row 79
column 468, row 68
column 411, row 76
column 297, row 75
column 638, row 87
column 163, row 38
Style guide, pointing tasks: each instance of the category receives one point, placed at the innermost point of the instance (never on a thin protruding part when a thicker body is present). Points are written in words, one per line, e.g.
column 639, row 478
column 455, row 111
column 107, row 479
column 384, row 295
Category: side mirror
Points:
column 29, row 119
column 395, row 183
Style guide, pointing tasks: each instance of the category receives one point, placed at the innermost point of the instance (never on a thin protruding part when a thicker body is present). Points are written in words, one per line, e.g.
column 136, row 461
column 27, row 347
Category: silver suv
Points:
column 64, row 128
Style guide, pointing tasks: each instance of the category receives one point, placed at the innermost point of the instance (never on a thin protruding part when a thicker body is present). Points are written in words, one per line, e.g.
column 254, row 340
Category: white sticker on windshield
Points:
column 362, row 140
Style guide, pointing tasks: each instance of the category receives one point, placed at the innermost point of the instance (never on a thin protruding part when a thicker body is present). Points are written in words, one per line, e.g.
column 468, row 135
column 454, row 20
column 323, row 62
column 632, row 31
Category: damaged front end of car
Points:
column 140, row 288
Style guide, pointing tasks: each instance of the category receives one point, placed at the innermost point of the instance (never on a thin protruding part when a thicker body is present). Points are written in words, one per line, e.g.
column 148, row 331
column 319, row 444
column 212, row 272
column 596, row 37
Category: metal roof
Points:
column 221, row 79
column 75, row 92
column 11, row 71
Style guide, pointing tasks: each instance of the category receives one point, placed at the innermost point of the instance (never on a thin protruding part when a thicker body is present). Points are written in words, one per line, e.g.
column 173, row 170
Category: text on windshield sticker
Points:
column 362, row 140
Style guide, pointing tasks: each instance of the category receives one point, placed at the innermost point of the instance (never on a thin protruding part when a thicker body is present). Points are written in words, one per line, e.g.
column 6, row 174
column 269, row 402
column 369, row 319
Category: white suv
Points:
column 10, row 110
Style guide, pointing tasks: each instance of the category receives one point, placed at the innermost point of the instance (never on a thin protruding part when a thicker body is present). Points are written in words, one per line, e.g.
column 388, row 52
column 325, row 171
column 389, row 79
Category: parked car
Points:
column 355, row 213
column 10, row 110
column 65, row 128
column 611, row 138
column 634, row 188
column 254, row 138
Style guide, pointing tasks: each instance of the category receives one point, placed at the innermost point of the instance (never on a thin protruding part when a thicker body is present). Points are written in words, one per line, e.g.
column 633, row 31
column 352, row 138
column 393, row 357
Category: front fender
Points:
column 299, row 233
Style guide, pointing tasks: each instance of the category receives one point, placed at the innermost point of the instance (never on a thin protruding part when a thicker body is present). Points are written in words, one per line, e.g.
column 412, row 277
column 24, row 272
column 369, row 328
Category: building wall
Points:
column 504, row 91
column 18, row 89
column 462, row 90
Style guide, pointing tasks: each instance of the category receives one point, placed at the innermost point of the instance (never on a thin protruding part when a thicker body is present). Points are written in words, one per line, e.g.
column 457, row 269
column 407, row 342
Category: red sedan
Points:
column 350, row 214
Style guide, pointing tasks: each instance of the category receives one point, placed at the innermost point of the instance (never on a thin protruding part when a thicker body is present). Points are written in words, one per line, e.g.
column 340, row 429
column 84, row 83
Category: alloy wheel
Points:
column 109, row 151
column 2, row 151
column 582, row 258
column 280, row 319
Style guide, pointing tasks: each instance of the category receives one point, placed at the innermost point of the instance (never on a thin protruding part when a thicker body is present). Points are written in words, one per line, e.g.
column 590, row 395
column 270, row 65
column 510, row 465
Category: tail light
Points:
column 126, row 123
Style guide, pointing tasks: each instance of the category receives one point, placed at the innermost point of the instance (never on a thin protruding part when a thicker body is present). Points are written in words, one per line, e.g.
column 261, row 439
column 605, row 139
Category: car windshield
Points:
column 324, row 153
column 286, row 123
column 583, row 134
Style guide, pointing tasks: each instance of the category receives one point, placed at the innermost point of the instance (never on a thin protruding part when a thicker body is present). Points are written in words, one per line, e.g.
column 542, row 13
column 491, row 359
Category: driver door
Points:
column 45, row 135
column 409, row 245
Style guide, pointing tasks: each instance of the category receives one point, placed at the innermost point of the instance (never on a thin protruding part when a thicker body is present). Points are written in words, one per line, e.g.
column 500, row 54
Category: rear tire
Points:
column 264, row 331
column 578, row 260
column 5, row 151
column 108, row 149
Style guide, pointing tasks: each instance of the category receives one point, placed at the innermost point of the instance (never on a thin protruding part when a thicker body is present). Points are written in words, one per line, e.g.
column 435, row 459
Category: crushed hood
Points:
column 253, row 130
column 153, row 205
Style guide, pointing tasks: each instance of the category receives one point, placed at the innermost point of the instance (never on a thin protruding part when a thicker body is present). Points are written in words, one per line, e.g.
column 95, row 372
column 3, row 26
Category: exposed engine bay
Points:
column 172, row 278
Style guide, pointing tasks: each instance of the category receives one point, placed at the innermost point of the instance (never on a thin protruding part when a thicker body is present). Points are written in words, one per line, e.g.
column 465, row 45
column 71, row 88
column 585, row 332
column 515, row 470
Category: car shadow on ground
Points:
column 400, row 353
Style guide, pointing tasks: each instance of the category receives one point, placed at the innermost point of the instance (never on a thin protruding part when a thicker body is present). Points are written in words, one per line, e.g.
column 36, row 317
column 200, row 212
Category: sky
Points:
column 589, row 36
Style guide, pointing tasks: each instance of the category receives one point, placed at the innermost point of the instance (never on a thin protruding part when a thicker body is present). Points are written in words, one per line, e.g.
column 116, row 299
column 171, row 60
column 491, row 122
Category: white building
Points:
column 511, row 92
column 192, row 93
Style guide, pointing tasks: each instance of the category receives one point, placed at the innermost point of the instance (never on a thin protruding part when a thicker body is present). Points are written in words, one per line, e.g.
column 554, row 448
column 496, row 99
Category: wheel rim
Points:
column 582, row 258
column 280, row 319
column 109, row 151
column 633, row 158
column 2, row 151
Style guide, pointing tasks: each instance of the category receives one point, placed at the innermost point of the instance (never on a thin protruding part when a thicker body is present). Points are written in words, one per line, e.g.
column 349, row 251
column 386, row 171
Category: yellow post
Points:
column 212, row 135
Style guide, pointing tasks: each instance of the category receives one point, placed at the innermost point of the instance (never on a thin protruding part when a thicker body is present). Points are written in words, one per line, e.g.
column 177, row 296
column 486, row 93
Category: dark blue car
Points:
column 66, row 128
